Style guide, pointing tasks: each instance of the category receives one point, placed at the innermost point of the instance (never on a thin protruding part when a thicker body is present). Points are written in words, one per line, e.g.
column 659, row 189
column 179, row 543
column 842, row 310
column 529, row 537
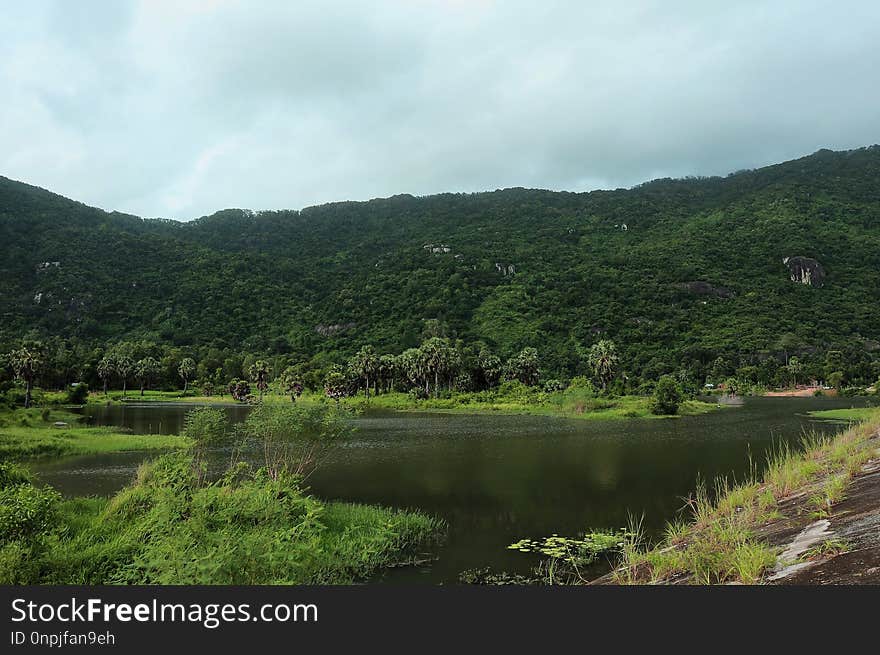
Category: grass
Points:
column 828, row 548
column 170, row 527
column 852, row 414
column 572, row 403
column 31, row 433
column 721, row 544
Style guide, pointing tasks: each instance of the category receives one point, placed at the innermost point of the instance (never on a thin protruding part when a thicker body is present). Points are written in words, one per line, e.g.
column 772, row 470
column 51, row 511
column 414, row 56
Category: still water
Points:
column 497, row 479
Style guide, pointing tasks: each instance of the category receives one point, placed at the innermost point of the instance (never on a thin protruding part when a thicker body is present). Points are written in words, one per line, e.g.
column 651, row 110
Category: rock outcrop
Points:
column 335, row 328
column 805, row 270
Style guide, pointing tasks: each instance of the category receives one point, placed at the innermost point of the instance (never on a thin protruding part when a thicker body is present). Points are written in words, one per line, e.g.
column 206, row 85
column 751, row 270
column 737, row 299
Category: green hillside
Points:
column 676, row 272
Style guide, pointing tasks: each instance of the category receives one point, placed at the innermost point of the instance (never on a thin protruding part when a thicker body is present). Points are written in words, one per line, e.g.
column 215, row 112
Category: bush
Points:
column 581, row 382
column 552, row 386
column 77, row 393
column 206, row 426
column 294, row 439
column 667, row 396
column 417, row 393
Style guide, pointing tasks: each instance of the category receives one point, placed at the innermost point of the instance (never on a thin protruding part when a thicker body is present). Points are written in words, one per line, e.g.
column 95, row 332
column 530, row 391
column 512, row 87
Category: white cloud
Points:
column 182, row 108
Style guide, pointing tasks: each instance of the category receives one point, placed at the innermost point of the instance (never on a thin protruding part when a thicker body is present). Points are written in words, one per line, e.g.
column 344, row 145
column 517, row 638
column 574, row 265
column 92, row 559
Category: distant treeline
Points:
column 437, row 365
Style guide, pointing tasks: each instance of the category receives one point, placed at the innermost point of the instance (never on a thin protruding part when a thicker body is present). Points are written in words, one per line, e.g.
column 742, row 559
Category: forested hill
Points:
column 676, row 272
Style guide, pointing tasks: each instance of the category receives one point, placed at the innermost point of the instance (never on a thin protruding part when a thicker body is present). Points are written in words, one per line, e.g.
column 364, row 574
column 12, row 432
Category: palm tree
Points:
column 386, row 372
column 105, row 370
column 259, row 375
column 365, row 364
column 335, row 383
column 437, row 359
column 185, row 371
column 26, row 362
column 145, row 370
column 603, row 361
column 524, row 366
column 412, row 364
column 795, row 368
column 291, row 382
column 490, row 367
column 124, row 365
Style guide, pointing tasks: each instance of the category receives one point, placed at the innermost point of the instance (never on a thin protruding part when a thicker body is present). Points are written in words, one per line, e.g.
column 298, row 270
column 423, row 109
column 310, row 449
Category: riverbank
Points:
column 34, row 433
column 810, row 508
column 850, row 414
column 571, row 403
column 801, row 392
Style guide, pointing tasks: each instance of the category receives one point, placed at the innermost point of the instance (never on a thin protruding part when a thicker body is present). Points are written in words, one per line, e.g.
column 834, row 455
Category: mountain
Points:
column 676, row 272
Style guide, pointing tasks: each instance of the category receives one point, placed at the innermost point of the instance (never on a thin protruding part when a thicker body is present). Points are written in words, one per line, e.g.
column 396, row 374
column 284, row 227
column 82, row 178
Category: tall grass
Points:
column 719, row 543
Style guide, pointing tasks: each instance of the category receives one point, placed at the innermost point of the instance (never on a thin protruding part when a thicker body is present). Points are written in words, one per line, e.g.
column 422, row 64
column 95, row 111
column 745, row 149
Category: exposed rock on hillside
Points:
column 805, row 270
column 335, row 328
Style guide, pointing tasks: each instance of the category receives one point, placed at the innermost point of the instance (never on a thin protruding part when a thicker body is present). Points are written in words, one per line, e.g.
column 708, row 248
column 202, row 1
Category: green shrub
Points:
column 206, row 426
column 248, row 527
column 78, row 393
column 667, row 396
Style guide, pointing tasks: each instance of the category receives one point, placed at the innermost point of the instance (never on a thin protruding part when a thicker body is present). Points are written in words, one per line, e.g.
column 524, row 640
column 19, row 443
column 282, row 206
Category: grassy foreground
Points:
column 170, row 528
column 720, row 544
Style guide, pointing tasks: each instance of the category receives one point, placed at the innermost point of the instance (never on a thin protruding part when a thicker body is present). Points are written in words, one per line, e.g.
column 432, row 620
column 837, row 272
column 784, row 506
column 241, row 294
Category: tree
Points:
column 794, row 368
column 490, row 368
column 387, row 371
column 259, row 375
column 602, row 359
column 294, row 440
column 667, row 396
column 732, row 386
column 240, row 390
column 185, row 370
column 787, row 343
column 835, row 379
column 291, row 383
column 524, row 366
column 26, row 363
column 105, row 370
column 336, row 383
column 121, row 356
column 437, row 360
column 145, row 370
column 412, row 364
column 365, row 365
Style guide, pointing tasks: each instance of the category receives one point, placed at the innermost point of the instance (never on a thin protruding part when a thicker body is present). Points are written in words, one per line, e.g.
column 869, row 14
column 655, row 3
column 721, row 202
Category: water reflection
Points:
column 496, row 479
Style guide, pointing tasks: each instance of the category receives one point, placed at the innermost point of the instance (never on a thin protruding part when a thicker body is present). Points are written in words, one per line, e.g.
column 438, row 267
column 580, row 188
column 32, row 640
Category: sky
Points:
column 178, row 109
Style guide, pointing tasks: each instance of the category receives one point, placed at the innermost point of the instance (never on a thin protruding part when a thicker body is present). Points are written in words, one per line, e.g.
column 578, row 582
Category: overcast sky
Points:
column 178, row 109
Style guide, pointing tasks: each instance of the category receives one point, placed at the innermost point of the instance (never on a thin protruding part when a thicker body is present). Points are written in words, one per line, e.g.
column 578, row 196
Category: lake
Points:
column 497, row 479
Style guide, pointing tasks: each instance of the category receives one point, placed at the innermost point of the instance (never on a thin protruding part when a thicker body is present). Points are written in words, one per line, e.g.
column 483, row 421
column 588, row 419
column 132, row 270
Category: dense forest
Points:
column 701, row 278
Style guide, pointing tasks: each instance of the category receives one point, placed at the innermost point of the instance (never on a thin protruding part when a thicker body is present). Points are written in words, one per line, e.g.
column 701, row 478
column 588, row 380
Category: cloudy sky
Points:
column 180, row 108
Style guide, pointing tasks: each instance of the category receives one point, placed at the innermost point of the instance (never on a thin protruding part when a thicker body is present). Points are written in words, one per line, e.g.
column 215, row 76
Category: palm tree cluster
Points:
column 427, row 370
